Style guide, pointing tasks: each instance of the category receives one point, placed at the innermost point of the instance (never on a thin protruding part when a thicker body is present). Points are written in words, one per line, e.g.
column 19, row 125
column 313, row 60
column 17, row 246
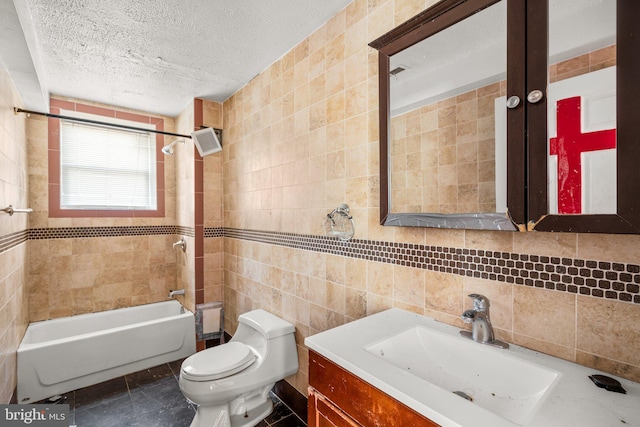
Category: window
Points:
column 103, row 171
column 106, row 168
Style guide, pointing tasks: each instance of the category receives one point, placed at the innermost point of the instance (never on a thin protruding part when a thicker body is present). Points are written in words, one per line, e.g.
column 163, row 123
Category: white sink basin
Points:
column 420, row 362
column 509, row 387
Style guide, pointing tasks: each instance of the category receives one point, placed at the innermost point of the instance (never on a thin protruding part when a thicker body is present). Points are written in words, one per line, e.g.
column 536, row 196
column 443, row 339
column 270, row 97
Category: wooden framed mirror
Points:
column 440, row 76
column 489, row 123
column 584, row 139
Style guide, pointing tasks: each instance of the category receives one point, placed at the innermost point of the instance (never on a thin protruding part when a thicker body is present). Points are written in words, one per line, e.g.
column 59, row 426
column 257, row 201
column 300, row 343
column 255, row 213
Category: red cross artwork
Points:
column 568, row 145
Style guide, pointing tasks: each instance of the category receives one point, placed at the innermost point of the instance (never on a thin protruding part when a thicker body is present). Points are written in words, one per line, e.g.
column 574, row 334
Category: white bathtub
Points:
column 60, row 355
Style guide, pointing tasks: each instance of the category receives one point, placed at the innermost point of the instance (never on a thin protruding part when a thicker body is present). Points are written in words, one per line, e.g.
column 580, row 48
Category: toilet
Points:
column 230, row 383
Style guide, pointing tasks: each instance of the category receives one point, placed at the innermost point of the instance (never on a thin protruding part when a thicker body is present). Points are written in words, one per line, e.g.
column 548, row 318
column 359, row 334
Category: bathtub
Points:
column 61, row 355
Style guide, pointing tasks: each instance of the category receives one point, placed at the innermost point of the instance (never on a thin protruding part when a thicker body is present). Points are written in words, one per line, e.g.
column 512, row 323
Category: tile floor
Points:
column 149, row 398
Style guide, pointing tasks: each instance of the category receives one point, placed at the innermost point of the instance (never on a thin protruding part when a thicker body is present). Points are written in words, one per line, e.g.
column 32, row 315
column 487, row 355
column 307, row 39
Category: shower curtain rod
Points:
column 95, row 122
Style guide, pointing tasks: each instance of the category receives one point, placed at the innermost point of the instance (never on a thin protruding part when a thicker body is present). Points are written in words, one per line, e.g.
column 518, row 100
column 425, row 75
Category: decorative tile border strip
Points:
column 615, row 281
column 185, row 231
column 213, row 232
column 114, row 231
column 12, row 240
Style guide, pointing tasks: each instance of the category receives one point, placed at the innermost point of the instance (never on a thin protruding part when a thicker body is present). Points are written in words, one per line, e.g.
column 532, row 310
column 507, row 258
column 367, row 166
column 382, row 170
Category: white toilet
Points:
column 230, row 383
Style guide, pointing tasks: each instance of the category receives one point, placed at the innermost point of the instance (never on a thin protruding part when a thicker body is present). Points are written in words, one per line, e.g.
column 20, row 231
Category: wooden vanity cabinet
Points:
column 338, row 398
column 322, row 413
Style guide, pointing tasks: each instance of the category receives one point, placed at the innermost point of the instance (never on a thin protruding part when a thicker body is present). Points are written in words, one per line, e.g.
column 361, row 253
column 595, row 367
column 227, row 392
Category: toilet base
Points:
column 219, row 416
column 254, row 416
column 211, row 416
column 244, row 411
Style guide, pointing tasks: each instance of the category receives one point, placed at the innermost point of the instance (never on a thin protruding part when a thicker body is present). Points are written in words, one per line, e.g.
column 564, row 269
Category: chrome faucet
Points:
column 481, row 328
column 176, row 292
column 181, row 244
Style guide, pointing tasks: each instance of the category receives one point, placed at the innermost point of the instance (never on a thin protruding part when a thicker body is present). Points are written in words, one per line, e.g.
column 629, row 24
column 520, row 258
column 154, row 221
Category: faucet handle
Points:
column 468, row 316
column 480, row 302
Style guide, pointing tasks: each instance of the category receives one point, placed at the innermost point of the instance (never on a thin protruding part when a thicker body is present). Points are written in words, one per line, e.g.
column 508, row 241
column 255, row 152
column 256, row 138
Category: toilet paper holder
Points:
column 210, row 321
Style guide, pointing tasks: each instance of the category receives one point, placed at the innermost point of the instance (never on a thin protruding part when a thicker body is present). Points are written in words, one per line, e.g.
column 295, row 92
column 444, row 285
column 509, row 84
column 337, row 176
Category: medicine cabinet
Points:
column 512, row 115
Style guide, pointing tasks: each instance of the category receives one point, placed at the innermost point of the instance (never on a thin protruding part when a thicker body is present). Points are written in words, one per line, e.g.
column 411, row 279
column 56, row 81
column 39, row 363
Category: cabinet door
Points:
column 362, row 403
column 322, row 413
column 583, row 140
column 441, row 75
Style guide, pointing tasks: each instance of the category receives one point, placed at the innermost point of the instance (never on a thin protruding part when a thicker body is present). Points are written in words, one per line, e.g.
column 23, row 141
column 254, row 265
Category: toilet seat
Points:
column 218, row 362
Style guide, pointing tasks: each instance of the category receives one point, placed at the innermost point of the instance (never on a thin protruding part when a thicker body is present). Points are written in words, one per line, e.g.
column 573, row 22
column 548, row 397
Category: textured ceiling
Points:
column 156, row 55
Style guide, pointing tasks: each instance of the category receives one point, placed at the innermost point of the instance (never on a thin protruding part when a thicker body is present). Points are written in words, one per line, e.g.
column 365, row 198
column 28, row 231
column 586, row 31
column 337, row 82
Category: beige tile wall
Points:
column 185, row 206
column 302, row 137
column 79, row 275
column 82, row 275
column 212, row 186
column 213, row 211
column 13, row 262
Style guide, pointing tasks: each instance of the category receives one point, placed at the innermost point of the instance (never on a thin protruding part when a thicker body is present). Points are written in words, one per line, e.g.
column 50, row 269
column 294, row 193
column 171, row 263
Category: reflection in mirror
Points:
column 581, row 105
column 443, row 92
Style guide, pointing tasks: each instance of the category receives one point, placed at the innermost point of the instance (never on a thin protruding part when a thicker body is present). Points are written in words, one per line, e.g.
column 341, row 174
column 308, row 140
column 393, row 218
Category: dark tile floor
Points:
column 149, row 398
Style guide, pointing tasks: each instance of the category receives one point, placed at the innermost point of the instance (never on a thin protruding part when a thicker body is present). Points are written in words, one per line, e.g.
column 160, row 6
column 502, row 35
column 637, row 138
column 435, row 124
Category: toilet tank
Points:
column 267, row 324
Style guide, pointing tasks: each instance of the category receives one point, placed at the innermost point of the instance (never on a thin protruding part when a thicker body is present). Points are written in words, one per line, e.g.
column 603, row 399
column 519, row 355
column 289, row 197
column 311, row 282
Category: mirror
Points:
column 590, row 184
column 445, row 86
column 443, row 92
column 443, row 166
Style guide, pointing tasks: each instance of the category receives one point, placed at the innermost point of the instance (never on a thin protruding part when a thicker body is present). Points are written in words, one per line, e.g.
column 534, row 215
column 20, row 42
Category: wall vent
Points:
column 208, row 141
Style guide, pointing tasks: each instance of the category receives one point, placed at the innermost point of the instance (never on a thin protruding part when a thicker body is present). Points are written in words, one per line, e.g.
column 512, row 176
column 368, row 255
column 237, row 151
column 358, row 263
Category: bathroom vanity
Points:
column 397, row 368
column 339, row 398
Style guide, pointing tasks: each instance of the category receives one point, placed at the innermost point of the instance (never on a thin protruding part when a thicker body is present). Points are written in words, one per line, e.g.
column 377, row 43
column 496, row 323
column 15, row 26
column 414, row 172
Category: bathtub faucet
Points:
column 181, row 244
column 176, row 292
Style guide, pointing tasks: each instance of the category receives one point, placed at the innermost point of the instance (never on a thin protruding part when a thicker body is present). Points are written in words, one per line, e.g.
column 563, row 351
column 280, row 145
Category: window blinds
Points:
column 106, row 168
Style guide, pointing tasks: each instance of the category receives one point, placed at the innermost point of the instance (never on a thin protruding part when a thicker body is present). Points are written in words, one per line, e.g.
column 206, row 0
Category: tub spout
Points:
column 176, row 292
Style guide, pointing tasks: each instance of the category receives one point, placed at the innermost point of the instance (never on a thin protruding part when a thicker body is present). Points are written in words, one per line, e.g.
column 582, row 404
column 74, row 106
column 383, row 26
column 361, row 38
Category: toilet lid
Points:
column 217, row 362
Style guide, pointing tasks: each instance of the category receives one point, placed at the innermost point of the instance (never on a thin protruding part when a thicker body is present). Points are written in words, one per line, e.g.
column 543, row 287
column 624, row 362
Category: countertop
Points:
column 573, row 400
